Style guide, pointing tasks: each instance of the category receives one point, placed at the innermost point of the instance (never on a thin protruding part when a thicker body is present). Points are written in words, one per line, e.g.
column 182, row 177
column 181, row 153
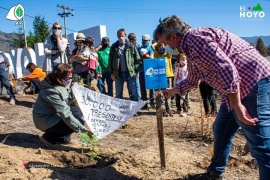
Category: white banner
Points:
column 104, row 114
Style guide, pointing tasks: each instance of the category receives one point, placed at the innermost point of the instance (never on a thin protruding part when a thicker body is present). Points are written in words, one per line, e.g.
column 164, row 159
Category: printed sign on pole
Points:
column 104, row 114
column 155, row 73
column 15, row 13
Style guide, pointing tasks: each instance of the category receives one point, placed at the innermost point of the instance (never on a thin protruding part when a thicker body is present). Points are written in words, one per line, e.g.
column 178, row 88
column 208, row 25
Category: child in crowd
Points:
column 181, row 74
column 84, row 52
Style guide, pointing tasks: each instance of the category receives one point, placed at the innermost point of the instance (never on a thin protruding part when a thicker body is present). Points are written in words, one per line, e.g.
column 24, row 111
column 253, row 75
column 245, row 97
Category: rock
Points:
column 33, row 170
column 39, row 151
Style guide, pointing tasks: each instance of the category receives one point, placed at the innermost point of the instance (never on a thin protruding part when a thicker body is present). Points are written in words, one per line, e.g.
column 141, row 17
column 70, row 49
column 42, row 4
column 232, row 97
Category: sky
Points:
column 142, row 16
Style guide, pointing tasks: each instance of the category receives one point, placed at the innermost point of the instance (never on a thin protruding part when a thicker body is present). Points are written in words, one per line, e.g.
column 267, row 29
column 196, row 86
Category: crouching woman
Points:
column 52, row 113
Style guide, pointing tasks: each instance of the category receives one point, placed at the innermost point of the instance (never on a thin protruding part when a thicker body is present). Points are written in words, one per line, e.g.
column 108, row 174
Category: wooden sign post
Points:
column 159, row 114
column 155, row 78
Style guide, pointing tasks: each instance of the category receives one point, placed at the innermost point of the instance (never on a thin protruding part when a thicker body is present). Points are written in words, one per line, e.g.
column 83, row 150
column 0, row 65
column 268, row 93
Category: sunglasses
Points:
column 59, row 28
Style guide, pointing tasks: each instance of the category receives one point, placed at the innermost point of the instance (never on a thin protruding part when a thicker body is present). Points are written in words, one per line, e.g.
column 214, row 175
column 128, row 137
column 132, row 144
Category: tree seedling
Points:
column 91, row 142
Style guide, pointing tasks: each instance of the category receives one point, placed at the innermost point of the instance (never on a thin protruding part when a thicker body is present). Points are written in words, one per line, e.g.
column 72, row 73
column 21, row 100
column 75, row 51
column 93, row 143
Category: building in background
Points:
column 96, row 32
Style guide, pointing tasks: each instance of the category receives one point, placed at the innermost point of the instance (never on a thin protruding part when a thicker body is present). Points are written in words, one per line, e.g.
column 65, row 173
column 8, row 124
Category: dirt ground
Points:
column 131, row 152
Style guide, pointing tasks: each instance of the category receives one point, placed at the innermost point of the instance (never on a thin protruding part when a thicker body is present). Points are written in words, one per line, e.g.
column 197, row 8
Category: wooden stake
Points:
column 159, row 114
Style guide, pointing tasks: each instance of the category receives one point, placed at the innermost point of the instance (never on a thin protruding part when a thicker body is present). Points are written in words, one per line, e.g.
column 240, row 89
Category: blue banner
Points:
column 155, row 73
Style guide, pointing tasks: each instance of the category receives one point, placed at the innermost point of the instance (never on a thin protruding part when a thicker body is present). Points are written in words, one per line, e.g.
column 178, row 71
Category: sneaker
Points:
column 12, row 101
column 183, row 114
column 48, row 144
column 204, row 176
column 178, row 112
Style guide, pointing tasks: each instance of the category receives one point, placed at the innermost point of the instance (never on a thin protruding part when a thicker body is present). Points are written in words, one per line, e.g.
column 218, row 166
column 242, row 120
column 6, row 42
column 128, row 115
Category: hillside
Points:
column 253, row 39
column 6, row 40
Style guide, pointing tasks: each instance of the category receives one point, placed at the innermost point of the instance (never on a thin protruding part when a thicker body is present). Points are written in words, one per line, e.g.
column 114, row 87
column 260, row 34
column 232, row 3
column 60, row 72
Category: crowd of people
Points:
column 212, row 59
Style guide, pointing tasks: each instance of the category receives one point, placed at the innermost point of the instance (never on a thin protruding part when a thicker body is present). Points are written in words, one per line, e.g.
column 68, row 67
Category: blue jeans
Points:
column 131, row 85
column 226, row 125
column 4, row 80
column 101, row 84
column 144, row 91
column 53, row 65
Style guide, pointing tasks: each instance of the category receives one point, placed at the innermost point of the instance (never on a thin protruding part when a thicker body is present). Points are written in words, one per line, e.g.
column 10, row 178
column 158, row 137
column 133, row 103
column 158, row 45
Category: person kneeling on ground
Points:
column 52, row 113
column 36, row 76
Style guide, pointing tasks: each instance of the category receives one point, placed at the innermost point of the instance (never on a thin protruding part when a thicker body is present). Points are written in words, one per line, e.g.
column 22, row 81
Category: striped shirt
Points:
column 221, row 59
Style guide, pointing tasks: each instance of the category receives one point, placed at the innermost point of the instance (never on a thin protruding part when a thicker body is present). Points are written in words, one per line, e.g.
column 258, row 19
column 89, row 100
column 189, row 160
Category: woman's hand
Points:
column 89, row 132
column 169, row 92
column 244, row 116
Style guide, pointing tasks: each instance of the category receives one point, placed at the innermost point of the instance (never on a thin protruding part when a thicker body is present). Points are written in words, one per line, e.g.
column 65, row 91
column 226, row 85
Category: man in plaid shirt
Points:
column 239, row 73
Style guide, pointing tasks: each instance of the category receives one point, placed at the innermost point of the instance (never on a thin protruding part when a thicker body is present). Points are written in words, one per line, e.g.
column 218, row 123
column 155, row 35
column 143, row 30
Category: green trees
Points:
column 18, row 41
column 261, row 47
column 40, row 32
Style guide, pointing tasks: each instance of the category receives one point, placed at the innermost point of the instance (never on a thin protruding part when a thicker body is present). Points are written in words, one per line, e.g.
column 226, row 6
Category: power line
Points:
column 66, row 12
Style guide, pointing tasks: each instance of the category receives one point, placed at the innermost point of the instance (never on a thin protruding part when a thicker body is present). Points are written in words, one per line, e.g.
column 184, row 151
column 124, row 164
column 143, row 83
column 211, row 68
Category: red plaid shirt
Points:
column 221, row 59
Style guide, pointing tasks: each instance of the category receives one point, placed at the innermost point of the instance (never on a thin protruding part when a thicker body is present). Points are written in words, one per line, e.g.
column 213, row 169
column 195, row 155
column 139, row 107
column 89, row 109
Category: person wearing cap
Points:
column 4, row 79
column 146, row 52
column 123, row 66
column 55, row 48
column 103, row 60
column 240, row 74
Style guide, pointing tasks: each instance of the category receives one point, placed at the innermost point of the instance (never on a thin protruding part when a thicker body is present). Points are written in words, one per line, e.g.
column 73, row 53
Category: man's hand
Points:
column 244, row 116
column 113, row 77
column 135, row 75
column 169, row 92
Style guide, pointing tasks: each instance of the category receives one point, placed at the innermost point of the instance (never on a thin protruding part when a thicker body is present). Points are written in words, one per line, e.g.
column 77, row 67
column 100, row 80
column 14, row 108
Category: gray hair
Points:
column 170, row 25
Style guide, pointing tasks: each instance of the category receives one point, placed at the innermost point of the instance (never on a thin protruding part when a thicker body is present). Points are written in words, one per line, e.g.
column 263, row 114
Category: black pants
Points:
column 59, row 133
column 209, row 98
column 36, row 82
column 178, row 102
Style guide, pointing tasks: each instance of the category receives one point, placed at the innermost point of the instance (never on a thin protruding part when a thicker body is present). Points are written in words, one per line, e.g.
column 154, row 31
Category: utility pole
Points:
column 66, row 12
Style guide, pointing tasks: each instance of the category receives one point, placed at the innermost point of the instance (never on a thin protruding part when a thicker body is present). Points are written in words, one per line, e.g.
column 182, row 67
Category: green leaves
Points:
column 90, row 142
column 19, row 11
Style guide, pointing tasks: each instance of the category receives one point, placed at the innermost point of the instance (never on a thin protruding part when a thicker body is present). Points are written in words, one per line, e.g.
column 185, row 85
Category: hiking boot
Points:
column 48, row 144
column 204, row 176
column 12, row 101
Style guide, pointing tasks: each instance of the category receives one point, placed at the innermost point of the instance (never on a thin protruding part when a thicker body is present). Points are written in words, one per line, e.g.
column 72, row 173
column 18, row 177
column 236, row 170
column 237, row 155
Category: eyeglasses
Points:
column 59, row 28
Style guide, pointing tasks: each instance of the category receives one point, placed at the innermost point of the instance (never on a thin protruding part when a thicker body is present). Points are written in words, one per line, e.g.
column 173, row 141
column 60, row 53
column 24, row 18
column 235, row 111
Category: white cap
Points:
column 146, row 37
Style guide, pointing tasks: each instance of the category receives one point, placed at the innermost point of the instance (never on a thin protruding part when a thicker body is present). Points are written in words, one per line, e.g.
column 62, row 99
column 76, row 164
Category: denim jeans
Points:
column 226, row 125
column 54, row 64
column 144, row 91
column 5, row 82
column 131, row 85
column 101, row 84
